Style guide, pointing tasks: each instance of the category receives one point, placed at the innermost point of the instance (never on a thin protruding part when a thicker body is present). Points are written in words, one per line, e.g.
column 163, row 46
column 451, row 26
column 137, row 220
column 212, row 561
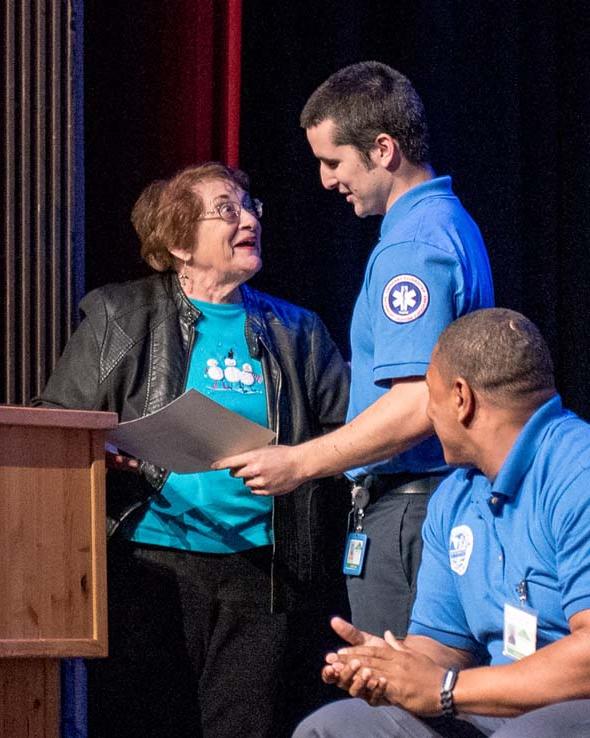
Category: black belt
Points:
column 404, row 484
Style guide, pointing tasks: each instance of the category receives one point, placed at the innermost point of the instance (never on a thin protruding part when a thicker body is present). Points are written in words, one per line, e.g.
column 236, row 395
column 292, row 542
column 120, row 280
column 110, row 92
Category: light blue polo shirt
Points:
column 473, row 560
column 429, row 267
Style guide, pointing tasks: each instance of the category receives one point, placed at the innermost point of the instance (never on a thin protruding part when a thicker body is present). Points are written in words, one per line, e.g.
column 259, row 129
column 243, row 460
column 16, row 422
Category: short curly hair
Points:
column 167, row 211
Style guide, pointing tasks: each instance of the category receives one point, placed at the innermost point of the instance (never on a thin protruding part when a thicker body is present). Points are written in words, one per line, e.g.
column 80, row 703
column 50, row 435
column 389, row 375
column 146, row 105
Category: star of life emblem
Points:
column 460, row 548
column 405, row 298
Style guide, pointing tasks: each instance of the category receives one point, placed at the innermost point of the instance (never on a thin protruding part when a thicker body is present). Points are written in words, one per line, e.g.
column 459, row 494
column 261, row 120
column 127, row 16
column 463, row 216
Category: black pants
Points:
column 383, row 596
column 194, row 649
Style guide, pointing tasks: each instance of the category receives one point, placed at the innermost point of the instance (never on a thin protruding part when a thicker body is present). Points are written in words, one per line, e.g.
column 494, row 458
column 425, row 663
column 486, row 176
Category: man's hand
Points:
column 368, row 687
column 270, row 470
column 338, row 671
column 390, row 673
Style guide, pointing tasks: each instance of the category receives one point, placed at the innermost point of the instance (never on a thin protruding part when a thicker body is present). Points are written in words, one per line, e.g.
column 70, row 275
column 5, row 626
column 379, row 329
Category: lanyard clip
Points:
column 522, row 591
column 360, row 493
column 360, row 499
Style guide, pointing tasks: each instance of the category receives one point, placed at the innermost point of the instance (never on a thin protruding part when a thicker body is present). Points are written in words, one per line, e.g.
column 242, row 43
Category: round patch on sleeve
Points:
column 405, row 298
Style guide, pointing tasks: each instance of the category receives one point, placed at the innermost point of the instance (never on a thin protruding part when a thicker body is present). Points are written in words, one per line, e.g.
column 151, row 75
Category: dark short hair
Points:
column 366, row 99
column 500, row 353
column 166, row 213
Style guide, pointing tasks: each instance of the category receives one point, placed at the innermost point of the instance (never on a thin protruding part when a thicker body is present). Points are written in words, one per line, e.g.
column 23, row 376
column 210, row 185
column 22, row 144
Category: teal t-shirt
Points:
column 212, row 511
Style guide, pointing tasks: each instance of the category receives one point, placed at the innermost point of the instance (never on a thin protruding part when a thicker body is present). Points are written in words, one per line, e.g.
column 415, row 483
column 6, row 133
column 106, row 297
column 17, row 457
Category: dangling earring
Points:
column 185, row 279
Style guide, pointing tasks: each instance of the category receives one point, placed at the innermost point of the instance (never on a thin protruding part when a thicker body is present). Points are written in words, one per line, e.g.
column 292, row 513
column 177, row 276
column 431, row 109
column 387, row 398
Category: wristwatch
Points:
column 446, row 692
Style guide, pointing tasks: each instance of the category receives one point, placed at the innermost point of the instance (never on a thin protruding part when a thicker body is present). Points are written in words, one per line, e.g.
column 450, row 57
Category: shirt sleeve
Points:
column 414, row 291
column 438, row 612
column 570, row 524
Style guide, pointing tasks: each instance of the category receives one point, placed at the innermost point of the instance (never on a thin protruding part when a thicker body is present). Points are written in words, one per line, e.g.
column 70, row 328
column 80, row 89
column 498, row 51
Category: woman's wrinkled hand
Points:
column 120, row 462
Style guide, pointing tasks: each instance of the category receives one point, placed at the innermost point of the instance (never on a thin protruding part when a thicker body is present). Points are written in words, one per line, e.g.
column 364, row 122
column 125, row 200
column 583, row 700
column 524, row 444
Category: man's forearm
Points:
column 390, row 426
column 558, row 672
column 393, row 424
column 442, row 655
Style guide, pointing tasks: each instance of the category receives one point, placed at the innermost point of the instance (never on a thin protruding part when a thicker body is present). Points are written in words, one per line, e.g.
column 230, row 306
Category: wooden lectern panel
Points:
column 52, row 535
column 53, row 550
column 29, row 698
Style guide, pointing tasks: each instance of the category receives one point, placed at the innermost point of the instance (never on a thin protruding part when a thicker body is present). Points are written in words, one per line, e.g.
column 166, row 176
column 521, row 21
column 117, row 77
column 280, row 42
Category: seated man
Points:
column 499, row 641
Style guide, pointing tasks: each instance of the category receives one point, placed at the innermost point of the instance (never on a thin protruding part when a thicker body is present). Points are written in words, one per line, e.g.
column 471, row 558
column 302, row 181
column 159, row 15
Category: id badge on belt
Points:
column 356, row 541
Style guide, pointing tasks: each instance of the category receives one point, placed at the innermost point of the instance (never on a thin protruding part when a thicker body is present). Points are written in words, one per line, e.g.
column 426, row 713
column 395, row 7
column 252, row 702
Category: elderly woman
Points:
column 205, row 578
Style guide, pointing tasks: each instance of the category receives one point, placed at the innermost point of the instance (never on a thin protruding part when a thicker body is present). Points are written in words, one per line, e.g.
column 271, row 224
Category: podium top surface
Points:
column 57, row 417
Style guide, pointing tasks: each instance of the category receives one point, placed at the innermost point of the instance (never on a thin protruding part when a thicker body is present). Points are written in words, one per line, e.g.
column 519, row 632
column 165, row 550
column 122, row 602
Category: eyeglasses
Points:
column 230, row 211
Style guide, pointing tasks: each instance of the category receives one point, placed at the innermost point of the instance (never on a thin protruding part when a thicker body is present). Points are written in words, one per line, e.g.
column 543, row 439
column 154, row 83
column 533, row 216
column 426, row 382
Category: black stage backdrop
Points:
column 506, row 86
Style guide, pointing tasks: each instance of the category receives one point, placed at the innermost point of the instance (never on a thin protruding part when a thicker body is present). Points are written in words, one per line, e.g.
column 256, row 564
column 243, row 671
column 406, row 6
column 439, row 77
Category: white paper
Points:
column 189, row 434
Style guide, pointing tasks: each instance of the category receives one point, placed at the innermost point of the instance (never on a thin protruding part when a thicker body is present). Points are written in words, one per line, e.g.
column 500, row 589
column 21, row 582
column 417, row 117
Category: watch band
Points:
column 446, row 692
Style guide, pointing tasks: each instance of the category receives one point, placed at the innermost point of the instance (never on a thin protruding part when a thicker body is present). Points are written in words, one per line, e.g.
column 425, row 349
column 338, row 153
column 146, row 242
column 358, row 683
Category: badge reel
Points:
column 356, row 540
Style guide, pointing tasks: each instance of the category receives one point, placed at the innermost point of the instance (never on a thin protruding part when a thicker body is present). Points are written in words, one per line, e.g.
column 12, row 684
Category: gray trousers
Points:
column 354, row 718
column 382, row 598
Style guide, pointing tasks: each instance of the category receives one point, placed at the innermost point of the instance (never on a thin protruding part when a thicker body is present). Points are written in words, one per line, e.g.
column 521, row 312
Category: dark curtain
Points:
column 162, row 91
column 506, row 86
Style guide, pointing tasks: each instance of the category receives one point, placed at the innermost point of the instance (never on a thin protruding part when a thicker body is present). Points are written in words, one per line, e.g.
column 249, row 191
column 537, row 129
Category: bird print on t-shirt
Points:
column 231, row 376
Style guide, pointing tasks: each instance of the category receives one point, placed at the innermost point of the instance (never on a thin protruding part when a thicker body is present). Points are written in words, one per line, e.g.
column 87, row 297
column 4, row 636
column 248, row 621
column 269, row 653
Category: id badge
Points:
column 354, row 554
column 520, row 631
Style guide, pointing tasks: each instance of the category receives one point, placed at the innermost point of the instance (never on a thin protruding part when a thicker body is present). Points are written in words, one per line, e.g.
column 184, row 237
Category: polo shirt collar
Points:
column 401, row 207
column 521, row 456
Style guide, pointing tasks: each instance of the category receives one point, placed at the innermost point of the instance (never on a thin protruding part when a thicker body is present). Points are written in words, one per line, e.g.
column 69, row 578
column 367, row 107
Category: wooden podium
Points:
column 52, row 558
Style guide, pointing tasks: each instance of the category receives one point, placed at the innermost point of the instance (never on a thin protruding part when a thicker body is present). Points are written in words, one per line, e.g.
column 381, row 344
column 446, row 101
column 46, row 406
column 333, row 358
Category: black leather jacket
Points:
column 131, row 354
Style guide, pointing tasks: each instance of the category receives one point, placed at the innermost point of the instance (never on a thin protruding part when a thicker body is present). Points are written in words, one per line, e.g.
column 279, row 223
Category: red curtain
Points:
column 201, row 71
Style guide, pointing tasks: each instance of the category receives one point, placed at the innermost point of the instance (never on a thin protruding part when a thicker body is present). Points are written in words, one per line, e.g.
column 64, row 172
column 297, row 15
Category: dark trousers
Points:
column 382, row 598
column 194, row 649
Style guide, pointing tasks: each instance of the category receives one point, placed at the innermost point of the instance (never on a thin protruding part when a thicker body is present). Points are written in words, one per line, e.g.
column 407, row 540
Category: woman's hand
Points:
column 115, row 460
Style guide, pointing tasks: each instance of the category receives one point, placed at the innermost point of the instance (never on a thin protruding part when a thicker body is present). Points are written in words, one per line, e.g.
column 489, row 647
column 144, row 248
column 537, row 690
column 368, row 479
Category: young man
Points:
column 367, row 127
column 500, row 631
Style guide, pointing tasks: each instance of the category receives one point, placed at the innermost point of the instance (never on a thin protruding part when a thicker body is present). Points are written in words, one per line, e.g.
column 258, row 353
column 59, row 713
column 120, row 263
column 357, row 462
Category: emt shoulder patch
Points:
column 405, row 298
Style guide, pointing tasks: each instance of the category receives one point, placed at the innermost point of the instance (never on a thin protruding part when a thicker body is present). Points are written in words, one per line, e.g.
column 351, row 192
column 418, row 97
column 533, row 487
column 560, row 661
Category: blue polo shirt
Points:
column 473, row 559
column 429, row 267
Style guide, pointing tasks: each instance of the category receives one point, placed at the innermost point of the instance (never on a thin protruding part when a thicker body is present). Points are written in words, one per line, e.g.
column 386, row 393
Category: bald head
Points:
column 501, row 354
